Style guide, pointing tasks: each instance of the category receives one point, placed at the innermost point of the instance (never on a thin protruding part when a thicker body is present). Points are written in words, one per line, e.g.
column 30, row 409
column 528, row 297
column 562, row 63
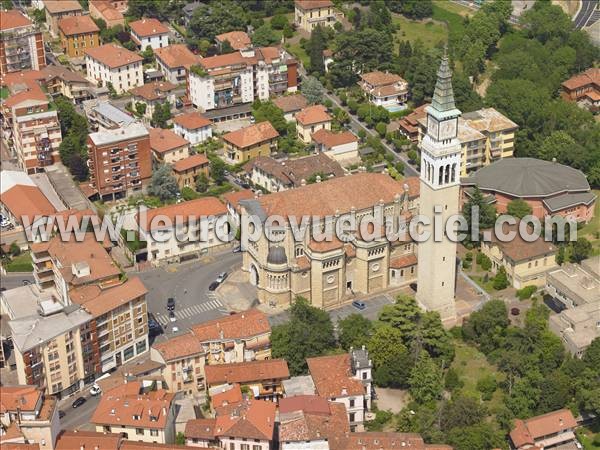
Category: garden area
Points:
column 16, row 260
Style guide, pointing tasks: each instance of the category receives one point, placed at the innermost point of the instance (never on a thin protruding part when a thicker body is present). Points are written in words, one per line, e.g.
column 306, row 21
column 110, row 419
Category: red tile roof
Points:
column 200, row 429
column 251, row 419
column 384, row 440
column 206, row 206
column 246, row 372
column 113, row 55
column 23, row 398
column 252, row 135
column 164, row 140
column 526, row 432
column 234, row 198
column 304, row 425
column 59, row 6
column 100, row 301
column 72, row 25
column 330, row 139
column 27, row 201
column 313, row 4
column 332, row 376
column 238, row 39
column 590, row 76
column 403, row 261
column 192, row 120
column 313, row 114
column 518, row 249
column 228, row 397
column 312, row 404
column 12, row 18
column 191, row 162
column 154, row 90
column 378, row 78
column 148, row 27
column 177, row 55
column 243, row 325
column 88, row 440
column 290, row 103
column 179, row 347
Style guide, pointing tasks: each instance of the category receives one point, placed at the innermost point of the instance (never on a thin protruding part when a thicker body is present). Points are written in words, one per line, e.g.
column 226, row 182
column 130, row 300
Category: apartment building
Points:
column 21, row 43
column 113, row 65
column 240, row 337
column 34, row 414
column 290, row 105
column 167, row 147
column 554, row 429
column 385, row 89
column 341, row 147
column 30, row 123
column 311, row 13
column 187, row 170
column 111, row 11
column 138, row 415
column 241, row 77
column 250, row 142
column 573, row 285
column 183, row 231
column 310, row 120
column 149, row 32
column 345, row 379
column 238, row 40
column 152, row 94
column 174, row 61
column 57, row 9
column 275, row 176
column 77, row 34
column 120, row 161
column 583, row 89
column 410, row 125
column 577, row 327
column 103, row 115
column 193, row 126
column 329, row 273
column 61, row 81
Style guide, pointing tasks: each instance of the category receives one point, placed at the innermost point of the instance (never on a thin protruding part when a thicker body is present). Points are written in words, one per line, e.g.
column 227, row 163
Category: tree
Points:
column 402, row 315
column 288, row 31
column 308, row 333
column 413, row 9
column 379, row 17
column 140, row 108
column 148, row 55
column 560, row 256
column 316, row 45
column 500, row 280
column 466, row 98
column 161, row 115
column 487, row 386
column 264, row 36
column 487, row 212
column 461, row 412
column 591, row 356
column 14, row 249
column 180, row 438
column 381, row 128
column 487, row 326
column 217, row 170
column 518, row 208
column 268, row 112
column 226, row 47
column 312, row 89
column 279, row 21
column 216, row 18
column 452, row 380
column 163, row 184
column 78, row 167
column 425, row 382
column 354, row 331
column 391, row 360
column 580, row 249
column 202, row 183
column 476, row 437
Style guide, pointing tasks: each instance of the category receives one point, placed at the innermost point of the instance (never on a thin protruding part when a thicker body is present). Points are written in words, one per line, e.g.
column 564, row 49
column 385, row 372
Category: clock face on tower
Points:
column 448, row 129
column 432, row 127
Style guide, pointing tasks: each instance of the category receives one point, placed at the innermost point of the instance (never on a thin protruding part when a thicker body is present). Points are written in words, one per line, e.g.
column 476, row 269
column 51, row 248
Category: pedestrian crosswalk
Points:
column 185, row 313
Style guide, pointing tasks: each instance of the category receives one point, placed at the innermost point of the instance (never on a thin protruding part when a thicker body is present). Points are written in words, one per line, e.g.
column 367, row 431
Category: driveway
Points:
column 391, row 399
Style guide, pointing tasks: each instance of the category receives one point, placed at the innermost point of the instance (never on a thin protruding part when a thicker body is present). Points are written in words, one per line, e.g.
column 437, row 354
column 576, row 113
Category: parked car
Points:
column 358, row 304
column 515, row 311
column 237, row 249
column 222, row 276
column 153, row 326
column 245, row 185
column 95, row 390
column 78, row 402
column 172, row 317
column 171, row 304
column 175, row 329
column 214, row 285
column 26, row 282
column 61, row 414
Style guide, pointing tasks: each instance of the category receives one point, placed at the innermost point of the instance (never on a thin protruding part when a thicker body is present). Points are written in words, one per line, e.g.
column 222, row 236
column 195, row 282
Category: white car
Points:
column 221, row 277
column 4, row 222
column 95, row 390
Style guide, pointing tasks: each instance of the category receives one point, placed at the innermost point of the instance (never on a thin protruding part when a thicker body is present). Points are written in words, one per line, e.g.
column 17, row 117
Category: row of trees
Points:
column 74, row 129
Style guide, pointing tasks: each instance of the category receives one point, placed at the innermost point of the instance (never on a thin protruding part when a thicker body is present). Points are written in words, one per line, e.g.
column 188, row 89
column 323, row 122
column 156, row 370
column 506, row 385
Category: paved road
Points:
column 76, row 417
column 11, row 280
column 588, row 7
column 188, row 284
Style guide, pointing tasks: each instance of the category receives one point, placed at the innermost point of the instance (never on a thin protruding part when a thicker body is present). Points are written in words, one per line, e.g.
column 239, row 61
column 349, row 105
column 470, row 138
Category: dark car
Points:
column 153, row 326
column 78, row 402
column 214, row 285
column 359, row 304
column 171, row 304
column 26, row 282
column 61, row 414
column 515, row 311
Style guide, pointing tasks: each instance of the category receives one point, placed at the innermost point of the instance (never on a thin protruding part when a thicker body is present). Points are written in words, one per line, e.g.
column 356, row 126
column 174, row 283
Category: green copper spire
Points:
column 443, row 96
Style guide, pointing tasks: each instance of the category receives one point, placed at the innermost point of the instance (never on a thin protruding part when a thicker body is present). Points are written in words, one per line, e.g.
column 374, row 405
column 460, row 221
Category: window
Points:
column 153, row 432
column 140, row 347
column 352, row 415
column 351, row 403
column 139, row 431
column 245, row 446
column 128, row 353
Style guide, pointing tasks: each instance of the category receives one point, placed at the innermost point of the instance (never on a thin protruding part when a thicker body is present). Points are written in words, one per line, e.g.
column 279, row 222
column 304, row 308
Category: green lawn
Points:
column 589, row 436
column 451, row 7
column 429, row 32
column 298, row 52
column 21, row 263
column 3, row 92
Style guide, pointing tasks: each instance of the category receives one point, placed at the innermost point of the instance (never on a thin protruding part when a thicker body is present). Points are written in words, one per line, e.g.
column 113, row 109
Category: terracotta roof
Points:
column 246, row 372
column 16, row 445
column 325, row 246
column 206, row 206
column 192, row 120
column 378, row 78
column 120, row 405
column 403, row 261
column 59, row 6
column 106, row 9
column 303, row 425
column 303, row 262
column 330, row 139
column 113, row 55
column 332, row 376
column 488, row 119
column 238, row 39
column 384, row 440
column 191, row 162
column 176, row 55
column 164, row 140
column 414, row 186
column 519, row 249
column 139, row 445
column 12, row 18
column 64, row 74
column 27, row 201
column 526, row 432
column 24, row 398
column 313, row 4
column 100, row 301
column 233, row 198
column 74, row 440
column 179, row 347
column 72, row 25
column 252, row 135
column 21, row 77
column 250, row 419
column 267, row 54
column 243, row 325
column 229, row 397
column 200, row 429
column 313, row 114
column 29, row 91
column 154, row 90
column 290, row 103
column 148, row 27
column 590, row 76
column 312, row 404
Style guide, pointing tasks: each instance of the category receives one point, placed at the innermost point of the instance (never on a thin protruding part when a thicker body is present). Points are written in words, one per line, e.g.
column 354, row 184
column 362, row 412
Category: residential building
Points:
column 526, row 262
column 310, row 120
column 103, row 116
column 193, row 229
column 193, row 126
column 584, row 89
column 77, row 34
column 413, row 125
column 152, row 94
column 331, row 272
column 33, row 414
column 30, row 124
column 186, row 170
column 232, row 201
column 21, row 43
column 274, row 176
column 239, row 337
column 238, row 40
column 549, row 430
column 21, row 199
column 385, row 89
column 262, row 378
column 149, row 32
column 109, row 11
column 241, row 77
column 246, row 143
column 345, row 379
column 57, row 9
column 120, row 160
column 374, row 440
column 311, row 13
column 167, row 147
column 573, row 285
column 61, row 81
column 113, row 65
column 138, row 415
column 290, row 105
column 175, row 61
column 79, row 439
column 577, row 327
column 548, row 187
column 341, row 147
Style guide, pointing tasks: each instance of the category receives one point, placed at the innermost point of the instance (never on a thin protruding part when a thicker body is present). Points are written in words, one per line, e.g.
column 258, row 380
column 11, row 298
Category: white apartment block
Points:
column 149, row 32
column 116, row 65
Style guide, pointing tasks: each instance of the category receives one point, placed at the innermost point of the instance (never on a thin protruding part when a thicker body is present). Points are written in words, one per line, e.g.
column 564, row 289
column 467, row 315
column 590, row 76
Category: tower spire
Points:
column 443, row 96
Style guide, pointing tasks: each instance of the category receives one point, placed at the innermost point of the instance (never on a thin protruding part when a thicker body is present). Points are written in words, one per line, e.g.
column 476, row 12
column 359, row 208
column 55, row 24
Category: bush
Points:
column 500, row 280
column 15, row 250
column 466, row 264
column 469, row 256
column 483, row 261
column 487, row 386
column 526, row 292
column 452, row 381
column 381, row 418
column 189, row 194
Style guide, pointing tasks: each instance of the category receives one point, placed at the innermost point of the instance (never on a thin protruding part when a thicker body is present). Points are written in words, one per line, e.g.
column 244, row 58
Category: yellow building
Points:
column 311, row 13
column 247, row 143
column 78, row 33
column 310, row 120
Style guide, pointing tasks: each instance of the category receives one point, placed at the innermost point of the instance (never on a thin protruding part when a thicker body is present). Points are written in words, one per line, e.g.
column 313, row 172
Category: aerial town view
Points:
column 300, row 224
